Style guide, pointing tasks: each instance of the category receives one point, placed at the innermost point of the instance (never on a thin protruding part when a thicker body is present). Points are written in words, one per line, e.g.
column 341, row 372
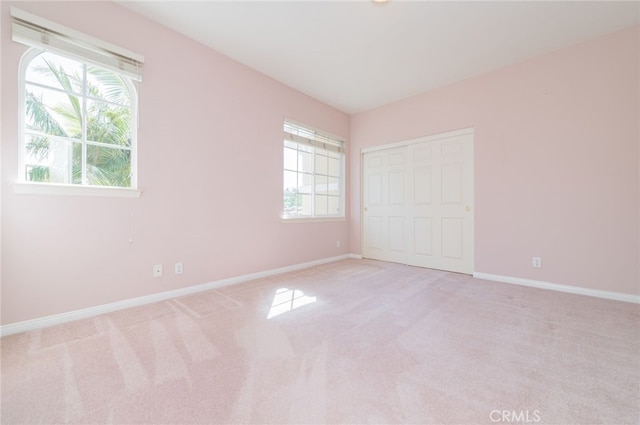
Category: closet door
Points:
column 385, row 216
column 418, row 203
column 441, row 210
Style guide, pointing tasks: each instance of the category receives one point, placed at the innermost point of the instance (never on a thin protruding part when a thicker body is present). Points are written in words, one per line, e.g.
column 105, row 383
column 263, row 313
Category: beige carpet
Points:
column 350, row 342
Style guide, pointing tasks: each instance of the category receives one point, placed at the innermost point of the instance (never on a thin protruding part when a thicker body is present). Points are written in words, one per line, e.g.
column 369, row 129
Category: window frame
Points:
column 40, row 34
column 25, row 186
column 315, row 143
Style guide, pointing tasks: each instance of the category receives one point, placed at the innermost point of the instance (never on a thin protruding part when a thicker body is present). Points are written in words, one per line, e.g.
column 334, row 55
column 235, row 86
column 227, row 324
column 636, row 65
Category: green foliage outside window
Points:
column 78, row 123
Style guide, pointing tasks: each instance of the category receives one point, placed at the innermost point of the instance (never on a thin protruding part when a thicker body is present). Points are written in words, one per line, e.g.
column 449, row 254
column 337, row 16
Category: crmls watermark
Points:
column 515, row 416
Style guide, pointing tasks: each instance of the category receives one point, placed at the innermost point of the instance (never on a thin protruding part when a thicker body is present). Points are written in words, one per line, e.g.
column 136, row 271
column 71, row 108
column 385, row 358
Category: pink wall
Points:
column 210, row 158
column 556, row 161
column 556, row 171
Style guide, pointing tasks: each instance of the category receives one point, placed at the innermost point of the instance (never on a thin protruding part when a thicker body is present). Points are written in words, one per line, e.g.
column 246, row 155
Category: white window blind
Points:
column 35, row 31
column 303, row 135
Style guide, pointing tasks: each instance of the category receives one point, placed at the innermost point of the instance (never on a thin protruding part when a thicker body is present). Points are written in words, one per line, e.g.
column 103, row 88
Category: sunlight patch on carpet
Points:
column 286, row 300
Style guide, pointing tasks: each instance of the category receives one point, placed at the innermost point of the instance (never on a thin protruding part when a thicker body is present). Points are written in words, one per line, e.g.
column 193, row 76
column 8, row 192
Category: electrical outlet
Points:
column 179, row 268
column 338, row 244
column 536, row 262
column 157, row 270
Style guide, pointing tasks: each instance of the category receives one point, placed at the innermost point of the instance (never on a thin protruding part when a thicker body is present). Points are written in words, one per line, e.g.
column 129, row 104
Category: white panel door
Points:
column 418, row 203
column 385, row 196
column 441, row 210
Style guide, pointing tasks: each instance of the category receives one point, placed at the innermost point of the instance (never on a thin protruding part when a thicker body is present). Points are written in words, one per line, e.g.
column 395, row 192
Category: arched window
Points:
column 78, row 122
column 77, row 112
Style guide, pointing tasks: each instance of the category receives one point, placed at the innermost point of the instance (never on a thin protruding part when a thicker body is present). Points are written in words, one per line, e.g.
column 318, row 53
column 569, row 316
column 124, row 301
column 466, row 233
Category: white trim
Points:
column 337, row 140
column 57, row 319
column 318, row 143
column 318, row 219
column 431, row 138
column 617, row 296
column 26, row 16
column 33, row 188
column 41, row 188
column 35, row 31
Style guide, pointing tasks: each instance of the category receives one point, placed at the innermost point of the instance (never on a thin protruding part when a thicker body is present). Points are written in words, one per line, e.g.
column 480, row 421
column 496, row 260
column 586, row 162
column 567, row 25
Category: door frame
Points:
column 409, row 142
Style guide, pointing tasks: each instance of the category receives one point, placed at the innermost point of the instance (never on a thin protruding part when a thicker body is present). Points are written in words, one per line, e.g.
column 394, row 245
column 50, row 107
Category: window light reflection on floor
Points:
column 288, row 299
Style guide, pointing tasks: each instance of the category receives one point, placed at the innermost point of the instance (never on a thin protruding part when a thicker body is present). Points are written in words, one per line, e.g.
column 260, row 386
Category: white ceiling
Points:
column 358, row 55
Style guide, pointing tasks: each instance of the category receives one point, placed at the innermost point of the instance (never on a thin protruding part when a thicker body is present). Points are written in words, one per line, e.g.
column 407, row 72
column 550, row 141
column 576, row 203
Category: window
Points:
column 78, row 108
column 313, row 174
column 77, row 123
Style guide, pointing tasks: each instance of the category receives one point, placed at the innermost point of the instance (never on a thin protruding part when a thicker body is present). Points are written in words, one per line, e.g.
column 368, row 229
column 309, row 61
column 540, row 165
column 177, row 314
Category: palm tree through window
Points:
column 78, row 123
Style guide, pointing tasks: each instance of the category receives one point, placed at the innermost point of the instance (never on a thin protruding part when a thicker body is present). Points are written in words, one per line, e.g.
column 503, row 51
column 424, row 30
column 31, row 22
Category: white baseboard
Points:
column 617, row 296
column 84, row 313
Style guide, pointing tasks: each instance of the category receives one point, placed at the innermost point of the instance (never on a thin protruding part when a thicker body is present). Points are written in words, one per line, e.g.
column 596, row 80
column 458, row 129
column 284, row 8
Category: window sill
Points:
column 75, row 190
column 312, row 219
